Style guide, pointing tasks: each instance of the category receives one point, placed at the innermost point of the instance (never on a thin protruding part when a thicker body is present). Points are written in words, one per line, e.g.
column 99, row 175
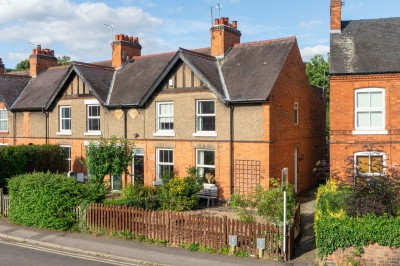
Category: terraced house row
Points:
column 239, row 111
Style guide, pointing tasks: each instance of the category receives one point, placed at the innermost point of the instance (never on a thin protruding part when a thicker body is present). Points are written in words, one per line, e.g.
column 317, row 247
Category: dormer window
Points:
column 171, row 83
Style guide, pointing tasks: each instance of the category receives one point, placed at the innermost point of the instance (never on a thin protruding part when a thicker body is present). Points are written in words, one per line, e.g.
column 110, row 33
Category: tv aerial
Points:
column 219, row 6
column 38, row 46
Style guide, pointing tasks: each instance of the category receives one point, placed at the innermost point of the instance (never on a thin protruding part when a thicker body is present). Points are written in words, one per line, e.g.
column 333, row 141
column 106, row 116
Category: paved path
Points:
column 306, row 254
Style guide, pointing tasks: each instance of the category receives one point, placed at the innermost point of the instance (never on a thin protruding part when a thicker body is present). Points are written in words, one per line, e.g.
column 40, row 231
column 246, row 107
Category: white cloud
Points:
column 310, row 24
column 175, row 9
column 79, row 28
column 17, row 56
column 308, row 52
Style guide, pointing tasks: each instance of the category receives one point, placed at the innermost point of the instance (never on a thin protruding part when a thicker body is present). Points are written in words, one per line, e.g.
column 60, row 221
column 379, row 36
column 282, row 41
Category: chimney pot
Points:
column 40, row 63
column 216, row 21
column 136, row 40
column 130, row 38
column 226, row 21
column 234, row 24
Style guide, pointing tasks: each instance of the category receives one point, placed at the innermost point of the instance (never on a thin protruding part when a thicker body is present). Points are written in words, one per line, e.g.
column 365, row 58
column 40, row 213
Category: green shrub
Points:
column 141, row 196
column 47, row 200
column 335, row 229
column 268, row 203
column 16, row 160
column 179, row 194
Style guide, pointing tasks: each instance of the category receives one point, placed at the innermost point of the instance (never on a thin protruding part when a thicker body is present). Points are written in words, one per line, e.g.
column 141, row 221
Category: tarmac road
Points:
column 20, row 254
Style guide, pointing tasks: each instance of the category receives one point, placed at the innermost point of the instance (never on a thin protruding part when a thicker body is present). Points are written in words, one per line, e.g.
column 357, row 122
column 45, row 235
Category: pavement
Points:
column 138, row 253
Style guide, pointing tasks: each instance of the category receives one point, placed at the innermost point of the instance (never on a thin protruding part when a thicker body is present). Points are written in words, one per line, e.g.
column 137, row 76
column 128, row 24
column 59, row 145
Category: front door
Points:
column 137, row 167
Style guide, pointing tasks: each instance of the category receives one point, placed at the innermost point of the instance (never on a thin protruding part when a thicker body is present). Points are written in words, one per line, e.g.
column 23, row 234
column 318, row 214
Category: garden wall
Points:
column 373, row 255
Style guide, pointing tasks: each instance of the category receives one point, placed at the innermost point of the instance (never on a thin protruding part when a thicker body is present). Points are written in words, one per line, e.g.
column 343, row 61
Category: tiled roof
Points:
column 251, row 69
column 11, row 86
column 366, row 46
column 39, row 90
column 97, row 77
column 248, row 72
column 136, row 77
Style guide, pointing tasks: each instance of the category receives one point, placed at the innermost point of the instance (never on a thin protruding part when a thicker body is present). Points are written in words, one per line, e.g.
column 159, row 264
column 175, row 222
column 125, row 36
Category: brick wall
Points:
column 309, row 135
column 373, row 255
column 343, row 143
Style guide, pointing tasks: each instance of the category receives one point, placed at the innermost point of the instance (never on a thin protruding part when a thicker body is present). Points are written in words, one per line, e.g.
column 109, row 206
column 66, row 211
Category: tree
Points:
column 317, row 70
column 63, row 61
column 108, row 157
column 23, row 65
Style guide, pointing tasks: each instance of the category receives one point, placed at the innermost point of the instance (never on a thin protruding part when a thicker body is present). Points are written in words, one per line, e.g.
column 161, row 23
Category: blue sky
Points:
column 76, row 28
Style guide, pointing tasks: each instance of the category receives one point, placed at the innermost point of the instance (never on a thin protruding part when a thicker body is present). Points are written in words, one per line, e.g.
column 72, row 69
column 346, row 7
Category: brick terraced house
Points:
column 364, row 92
column 240, row 111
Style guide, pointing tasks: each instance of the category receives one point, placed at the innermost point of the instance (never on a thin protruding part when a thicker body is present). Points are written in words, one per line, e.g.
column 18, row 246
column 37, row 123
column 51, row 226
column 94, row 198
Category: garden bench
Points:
column 209, row 193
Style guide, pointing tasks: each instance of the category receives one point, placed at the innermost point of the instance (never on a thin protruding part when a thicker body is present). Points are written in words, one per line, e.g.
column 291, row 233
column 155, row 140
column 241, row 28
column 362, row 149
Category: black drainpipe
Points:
column 14, row 129
column 47, row 125
column 125, row 123
column 231, row 188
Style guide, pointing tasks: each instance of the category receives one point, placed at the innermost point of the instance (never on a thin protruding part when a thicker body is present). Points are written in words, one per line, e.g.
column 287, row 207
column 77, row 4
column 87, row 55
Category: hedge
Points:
column 47, row 200
column 334, row 229
column 15, row 160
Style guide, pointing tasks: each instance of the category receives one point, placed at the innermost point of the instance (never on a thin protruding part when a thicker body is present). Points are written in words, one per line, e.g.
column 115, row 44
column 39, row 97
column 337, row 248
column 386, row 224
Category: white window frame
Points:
column 92, row 132
column 204, row 165
column 163, row 132
column 370, row 153
column 296, row 113
column 202, row 133
column 65, row 131
column 70, row 155
column 369, row 130
column 158, row 174
column 6, row 120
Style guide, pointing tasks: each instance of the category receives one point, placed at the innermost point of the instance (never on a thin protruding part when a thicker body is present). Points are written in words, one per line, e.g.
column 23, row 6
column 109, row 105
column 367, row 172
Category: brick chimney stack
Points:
column 223, row 36
column 124, row 47
column 40, row 60
column 336, row 16
column 1, row 67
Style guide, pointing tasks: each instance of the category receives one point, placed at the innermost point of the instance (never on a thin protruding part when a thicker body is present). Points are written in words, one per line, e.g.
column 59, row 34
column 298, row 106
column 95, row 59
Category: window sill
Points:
column 205, row 134
column 158, row 182
column 64, row 133
column 370, row 132
column 4, row 132
column 164, row 134
column 92, row 133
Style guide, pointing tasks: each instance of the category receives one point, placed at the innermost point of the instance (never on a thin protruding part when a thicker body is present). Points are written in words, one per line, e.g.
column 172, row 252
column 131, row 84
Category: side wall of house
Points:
column 308, row 135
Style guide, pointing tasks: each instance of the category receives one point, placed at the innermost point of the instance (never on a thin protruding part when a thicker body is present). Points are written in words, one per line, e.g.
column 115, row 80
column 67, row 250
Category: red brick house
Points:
column 364, row 92
column 240, row 111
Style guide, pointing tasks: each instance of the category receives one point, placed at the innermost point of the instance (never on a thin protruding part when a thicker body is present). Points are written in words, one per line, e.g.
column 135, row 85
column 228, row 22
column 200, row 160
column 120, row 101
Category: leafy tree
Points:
column 108, row 156
column 317, row 70
column 63, row 61
column 23, row 65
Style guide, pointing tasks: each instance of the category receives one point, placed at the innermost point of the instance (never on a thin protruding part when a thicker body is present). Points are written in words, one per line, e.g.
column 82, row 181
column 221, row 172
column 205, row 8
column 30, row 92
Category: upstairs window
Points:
column 3, row 120
column 369, row 109
column 165, row 116
column 65, row 118
column 296, row 113
column 93, row 119
column 205, row 116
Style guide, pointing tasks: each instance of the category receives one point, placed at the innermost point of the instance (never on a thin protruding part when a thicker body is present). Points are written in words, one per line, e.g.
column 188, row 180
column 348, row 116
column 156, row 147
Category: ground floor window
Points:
column 205, row 163
column 369, row 162
column 165, row 162
column 66, row 154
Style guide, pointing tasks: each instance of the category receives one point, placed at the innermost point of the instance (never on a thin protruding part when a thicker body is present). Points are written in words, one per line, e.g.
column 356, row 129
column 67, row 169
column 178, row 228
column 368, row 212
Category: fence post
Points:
column 1, row 202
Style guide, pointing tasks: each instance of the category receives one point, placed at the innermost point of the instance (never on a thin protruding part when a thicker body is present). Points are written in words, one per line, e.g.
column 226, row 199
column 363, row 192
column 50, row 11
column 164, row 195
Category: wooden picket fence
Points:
column 177, row 228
